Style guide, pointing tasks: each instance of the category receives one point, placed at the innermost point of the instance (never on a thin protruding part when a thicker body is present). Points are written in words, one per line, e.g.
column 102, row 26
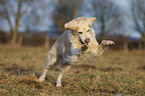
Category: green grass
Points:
column 115, row 73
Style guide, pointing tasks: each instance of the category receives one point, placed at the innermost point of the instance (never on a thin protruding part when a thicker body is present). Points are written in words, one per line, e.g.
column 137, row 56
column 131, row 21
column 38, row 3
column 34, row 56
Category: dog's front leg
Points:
column 103, row 45
column 81, row 50
column 106, row 43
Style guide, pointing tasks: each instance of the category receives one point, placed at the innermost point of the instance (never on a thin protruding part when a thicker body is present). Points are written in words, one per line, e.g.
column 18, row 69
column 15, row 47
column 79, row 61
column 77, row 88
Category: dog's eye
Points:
column 88, row 30
column 80, row 32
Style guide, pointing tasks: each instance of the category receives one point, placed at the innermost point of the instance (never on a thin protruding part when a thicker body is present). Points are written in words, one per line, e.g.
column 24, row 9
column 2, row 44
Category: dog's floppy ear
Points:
column 91, row 21
column 70, row 25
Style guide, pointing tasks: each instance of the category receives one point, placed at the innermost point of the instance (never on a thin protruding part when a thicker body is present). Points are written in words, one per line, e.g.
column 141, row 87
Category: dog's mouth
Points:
column 81, row 41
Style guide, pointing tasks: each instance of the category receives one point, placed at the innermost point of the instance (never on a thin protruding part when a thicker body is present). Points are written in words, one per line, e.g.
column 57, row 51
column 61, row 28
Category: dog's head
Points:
column 81, row 27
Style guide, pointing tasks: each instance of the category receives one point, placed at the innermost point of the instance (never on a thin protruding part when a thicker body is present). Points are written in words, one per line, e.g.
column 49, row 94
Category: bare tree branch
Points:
column 138, row 15
column 104, row 12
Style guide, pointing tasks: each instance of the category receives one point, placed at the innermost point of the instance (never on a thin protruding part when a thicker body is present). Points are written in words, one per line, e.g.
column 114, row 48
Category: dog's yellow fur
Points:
column 76, row 45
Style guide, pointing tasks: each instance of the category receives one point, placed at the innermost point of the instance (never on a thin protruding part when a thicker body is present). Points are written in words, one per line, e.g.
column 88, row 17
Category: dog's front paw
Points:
column 84, row 47
column 107, row 43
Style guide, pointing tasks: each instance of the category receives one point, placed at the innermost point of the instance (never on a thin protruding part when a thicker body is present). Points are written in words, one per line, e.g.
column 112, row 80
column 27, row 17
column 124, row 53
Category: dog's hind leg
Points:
column 51, row 62
column 64, row 68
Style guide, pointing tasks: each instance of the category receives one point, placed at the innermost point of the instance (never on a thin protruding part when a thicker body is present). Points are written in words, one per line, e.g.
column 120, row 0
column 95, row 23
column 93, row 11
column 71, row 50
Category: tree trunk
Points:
column 143, row 46
column 74, row 12
column 46, row 42
column 15, row 33
column 11, row 28
column 125, row 47
column 27, row 29
column 17, row 18
column 140, row 46
column 102, row 33
column 20, row 40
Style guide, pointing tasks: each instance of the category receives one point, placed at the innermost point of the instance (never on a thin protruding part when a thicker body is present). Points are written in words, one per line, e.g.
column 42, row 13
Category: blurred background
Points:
column 40, row 22
column 28, row 29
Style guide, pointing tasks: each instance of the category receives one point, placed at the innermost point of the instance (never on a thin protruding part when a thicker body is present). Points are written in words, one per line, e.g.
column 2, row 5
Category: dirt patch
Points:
column 31, row 83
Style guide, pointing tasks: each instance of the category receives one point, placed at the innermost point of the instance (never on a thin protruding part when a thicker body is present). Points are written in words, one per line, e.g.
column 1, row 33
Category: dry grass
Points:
column 116, row 73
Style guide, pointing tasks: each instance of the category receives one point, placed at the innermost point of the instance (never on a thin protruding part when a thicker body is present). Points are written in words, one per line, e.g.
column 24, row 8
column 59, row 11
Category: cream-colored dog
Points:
column 76, row 45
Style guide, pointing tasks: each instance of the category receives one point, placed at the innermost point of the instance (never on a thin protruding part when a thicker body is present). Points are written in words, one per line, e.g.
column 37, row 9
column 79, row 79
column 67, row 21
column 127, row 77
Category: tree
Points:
column 16, row 8
column 65, row 10
column 138, row 15
column 5, row 14
column 107, row 15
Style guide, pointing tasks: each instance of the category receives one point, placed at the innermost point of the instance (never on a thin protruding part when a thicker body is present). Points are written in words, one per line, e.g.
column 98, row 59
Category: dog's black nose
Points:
column 87, row 40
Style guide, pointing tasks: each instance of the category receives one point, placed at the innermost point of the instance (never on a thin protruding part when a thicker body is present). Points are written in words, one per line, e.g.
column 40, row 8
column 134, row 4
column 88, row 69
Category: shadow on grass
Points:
column 141, row 67
column 84, row 67
column 15, row 69
column 31, row 83
column 37, row 74
column 110, row 69
column 2, row 65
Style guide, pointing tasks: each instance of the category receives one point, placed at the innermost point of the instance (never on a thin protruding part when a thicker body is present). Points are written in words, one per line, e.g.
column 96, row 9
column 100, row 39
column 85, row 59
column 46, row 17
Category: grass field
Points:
column 115, row 73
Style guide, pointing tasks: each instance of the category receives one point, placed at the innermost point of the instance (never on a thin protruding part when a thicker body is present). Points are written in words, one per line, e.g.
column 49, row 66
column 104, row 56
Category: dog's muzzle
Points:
column 87, row 40
column 81, row 41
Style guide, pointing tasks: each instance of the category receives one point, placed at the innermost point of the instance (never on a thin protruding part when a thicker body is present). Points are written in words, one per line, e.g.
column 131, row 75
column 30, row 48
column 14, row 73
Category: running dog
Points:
column 76, row 45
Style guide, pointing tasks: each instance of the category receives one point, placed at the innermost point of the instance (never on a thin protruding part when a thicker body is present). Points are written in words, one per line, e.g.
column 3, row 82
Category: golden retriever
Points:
column 76, row 45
